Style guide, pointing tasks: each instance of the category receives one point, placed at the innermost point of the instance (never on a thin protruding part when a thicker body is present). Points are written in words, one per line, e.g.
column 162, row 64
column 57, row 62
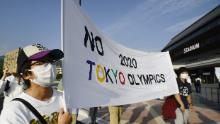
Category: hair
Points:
column 22, row 62
column 23, row 67
column 26, row 73
column 181, row 69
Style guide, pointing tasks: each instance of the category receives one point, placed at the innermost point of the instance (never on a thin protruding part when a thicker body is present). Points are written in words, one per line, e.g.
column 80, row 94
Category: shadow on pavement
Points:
column 204, row 118
column 136, row 112
column 147, row 118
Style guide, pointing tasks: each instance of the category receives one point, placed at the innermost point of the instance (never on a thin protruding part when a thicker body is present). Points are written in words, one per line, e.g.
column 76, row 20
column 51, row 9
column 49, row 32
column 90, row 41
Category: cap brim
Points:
column 53, row 55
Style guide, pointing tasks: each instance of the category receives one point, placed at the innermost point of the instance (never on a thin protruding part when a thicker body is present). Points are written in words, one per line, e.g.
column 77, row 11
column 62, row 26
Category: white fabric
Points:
column 30, row 50
column 182, row 117
column 15, row 88
column 109, row 74
column 188, row 79
column 45, row 74
column 16, row 112
column 33, row 49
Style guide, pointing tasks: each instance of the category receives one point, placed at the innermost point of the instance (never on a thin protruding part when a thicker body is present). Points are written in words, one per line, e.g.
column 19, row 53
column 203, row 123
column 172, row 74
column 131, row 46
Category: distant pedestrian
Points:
column 198, row 85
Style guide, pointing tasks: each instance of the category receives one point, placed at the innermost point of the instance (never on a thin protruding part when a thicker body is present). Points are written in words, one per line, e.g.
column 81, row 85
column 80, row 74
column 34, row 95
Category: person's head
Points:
column 182, row 73
column 38, row 64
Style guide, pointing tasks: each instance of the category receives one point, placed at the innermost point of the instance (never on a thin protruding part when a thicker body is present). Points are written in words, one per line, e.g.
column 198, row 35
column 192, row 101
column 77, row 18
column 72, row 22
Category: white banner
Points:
column 99, row 72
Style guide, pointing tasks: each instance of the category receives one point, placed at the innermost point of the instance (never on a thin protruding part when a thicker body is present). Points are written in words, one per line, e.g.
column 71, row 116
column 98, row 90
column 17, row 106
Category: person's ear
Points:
column 27, row 75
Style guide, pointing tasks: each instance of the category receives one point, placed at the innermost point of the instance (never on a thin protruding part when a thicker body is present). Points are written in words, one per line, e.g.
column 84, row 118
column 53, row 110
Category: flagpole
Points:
column 62, row 25
column 62, row 48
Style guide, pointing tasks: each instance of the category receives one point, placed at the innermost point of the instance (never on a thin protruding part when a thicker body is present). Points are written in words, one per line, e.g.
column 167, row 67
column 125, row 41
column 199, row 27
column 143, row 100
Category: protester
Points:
column 183, row 98
column 10, row 85
column 115, row 114
column 37, row 68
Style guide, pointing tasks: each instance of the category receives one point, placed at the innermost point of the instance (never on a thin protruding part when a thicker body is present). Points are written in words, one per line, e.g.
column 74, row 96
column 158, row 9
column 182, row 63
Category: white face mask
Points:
column 44, row 74
column 188, row 80
column 184, row 75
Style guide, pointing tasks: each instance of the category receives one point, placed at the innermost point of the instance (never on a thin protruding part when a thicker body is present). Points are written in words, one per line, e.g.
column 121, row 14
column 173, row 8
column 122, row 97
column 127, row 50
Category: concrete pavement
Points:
column 149, row 113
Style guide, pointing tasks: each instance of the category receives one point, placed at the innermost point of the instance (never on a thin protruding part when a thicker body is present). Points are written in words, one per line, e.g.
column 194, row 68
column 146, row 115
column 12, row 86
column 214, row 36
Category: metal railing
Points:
column 209, row 96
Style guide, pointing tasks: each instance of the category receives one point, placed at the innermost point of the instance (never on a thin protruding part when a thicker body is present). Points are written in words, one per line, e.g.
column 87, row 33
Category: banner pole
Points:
column 61, row 25
column 62, row 48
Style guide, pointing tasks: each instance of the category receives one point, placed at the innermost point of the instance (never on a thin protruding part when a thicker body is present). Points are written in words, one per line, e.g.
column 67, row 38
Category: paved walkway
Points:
column 149, row 113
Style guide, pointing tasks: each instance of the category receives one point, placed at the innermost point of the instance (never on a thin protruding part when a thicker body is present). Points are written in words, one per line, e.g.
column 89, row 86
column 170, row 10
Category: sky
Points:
column 146, row 25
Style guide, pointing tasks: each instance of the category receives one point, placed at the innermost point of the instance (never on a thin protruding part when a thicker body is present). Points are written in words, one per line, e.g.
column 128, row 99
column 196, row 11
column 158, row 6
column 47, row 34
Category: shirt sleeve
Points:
column 12, row 115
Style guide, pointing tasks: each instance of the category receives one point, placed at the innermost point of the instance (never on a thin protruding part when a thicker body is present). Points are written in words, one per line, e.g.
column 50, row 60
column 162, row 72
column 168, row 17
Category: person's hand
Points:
column 182, row 108
column 64, row 117
column 191, row 107
column 5, row 73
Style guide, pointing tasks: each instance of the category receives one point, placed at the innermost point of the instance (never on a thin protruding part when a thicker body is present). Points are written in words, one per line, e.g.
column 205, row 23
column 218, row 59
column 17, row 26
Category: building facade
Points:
column 198, row 47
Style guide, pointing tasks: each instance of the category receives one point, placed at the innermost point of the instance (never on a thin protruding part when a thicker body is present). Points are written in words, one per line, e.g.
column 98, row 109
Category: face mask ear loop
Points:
column 20, row 77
